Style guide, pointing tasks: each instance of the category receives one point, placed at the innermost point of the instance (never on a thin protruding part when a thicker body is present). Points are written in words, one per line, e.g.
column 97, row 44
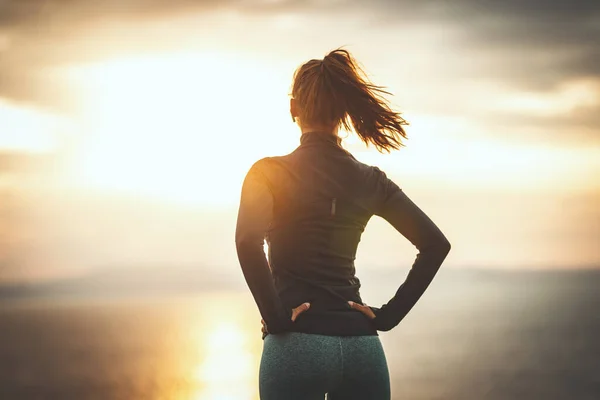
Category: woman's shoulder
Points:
column 271, row 168
column 370, row 172
column 267, row 162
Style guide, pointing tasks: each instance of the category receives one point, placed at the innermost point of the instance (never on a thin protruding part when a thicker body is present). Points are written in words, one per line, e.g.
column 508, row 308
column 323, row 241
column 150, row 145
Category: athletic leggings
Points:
column 302, row 366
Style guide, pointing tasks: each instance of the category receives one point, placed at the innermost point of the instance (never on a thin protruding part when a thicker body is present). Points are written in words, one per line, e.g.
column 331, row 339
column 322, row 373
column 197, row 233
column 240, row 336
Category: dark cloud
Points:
column 540, row 43
column 48, row 13
column 578, row 126
column 534, row 44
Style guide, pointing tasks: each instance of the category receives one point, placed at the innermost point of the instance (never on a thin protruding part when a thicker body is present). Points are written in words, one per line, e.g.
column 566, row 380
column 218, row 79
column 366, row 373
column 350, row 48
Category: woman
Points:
column 312, row 206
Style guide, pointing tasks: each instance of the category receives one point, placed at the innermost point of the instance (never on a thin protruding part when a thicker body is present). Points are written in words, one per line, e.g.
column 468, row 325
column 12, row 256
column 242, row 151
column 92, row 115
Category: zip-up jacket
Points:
column 312, row 206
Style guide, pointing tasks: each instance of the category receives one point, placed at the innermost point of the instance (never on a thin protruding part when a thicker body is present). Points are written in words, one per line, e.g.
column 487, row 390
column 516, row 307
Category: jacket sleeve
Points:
column 254, row 217
column 395, row 207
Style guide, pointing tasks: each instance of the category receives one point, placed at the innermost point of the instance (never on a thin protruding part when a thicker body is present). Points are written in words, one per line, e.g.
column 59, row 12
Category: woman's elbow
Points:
column 443, row 246
column 439, row 245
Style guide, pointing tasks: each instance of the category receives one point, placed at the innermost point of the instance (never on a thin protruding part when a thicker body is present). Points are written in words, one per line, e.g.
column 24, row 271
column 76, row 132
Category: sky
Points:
column 126, row 127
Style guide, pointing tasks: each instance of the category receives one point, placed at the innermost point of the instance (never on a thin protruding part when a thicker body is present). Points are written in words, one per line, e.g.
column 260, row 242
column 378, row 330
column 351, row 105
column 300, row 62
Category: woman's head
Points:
column 335, row 92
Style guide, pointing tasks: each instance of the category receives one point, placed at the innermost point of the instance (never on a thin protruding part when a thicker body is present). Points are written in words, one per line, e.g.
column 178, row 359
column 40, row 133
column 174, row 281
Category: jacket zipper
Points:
column 333, row 201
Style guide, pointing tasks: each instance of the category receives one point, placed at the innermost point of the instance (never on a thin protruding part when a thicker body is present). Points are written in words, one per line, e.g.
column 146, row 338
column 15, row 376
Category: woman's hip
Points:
column 298, row 365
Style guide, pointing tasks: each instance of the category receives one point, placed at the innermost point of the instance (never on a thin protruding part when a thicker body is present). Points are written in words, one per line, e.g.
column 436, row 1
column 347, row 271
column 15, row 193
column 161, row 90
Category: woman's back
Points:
column 318, row 200
column 322, row 200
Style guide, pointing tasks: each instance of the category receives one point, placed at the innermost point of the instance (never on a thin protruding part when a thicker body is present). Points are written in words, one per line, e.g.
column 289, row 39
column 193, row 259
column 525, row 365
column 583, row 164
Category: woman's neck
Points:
column 320, row 129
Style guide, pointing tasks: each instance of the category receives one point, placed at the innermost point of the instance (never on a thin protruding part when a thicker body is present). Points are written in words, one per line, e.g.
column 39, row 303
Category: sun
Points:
column 184, row 127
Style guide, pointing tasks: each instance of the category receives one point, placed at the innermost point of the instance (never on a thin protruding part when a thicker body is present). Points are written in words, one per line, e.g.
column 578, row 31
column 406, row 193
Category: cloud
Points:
column 541, row 43
column 535, row 45
column 38, row 36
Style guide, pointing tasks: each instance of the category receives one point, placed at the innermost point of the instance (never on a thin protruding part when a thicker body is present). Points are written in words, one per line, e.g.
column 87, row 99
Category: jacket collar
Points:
column 320, row 138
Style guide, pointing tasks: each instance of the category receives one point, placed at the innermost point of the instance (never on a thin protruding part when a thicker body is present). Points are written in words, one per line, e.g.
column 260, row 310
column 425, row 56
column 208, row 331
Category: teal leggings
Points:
column 302, row 366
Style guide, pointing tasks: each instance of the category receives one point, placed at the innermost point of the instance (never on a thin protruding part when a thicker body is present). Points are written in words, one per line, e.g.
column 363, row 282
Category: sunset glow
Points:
column 182, row 127
column 227, row 360
column 150, row 122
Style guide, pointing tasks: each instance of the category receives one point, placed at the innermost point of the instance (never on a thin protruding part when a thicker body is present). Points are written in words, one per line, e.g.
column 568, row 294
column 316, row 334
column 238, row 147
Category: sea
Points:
column 477, row 334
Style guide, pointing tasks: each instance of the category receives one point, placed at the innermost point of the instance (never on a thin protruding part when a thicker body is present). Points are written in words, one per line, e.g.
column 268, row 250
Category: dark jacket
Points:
column 312, row 206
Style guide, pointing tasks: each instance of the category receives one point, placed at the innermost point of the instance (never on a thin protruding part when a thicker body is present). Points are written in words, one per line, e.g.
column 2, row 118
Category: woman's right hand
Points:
column 363, row 309
column 295, row 312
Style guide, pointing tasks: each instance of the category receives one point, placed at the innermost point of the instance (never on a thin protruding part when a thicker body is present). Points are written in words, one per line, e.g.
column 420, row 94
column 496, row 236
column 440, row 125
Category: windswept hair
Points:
column 335, row 91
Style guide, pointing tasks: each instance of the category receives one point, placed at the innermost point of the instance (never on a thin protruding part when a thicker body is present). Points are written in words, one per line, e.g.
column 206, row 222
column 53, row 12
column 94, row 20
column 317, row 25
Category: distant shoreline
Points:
column 168, row 283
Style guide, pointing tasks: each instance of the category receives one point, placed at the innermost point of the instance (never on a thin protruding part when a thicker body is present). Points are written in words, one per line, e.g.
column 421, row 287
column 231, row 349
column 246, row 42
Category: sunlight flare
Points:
column 185, row 127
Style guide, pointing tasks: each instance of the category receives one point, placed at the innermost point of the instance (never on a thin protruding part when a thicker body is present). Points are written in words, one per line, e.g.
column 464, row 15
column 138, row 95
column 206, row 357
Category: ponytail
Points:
column 335, row 91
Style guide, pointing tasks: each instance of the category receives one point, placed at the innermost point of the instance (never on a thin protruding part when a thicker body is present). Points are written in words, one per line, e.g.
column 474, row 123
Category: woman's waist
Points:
column 334, row 323
column 322, row 297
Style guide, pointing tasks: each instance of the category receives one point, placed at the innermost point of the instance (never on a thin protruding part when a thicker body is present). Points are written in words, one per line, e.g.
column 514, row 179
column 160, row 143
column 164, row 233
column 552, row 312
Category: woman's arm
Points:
column 408, row 219
column 254, row 218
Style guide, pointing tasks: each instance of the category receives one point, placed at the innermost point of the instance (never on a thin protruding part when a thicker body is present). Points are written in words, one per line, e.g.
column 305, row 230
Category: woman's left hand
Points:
column 363, row 308
column 295, row 312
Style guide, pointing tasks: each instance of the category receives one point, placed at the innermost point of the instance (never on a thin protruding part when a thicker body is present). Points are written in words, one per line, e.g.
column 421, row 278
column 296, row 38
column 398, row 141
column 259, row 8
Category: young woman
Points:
column 312, row 206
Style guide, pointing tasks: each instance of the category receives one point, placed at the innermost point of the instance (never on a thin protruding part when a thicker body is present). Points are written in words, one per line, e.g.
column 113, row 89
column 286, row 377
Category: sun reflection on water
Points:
column 228, row 368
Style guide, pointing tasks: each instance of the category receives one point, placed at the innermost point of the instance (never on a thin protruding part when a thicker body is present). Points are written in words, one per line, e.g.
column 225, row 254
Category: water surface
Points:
column 531, row 335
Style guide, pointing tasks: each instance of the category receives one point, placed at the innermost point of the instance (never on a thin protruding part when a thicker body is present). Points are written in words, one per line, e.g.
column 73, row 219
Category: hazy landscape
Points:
column 476, row 334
